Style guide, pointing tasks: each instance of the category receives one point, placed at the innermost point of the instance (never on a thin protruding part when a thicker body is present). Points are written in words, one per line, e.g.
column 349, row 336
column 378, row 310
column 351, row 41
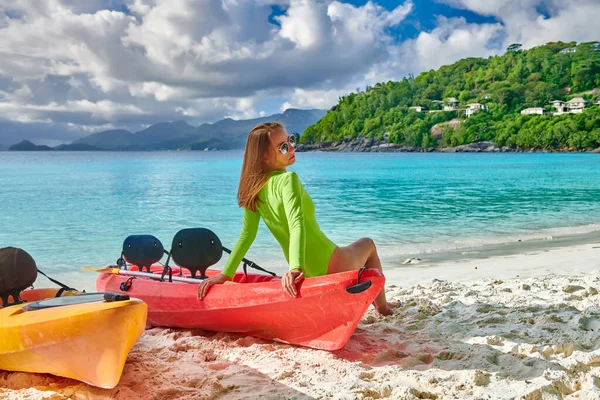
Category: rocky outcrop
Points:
column 364, row 144
column 437, row 130
column 478, row 147
column 360, row 144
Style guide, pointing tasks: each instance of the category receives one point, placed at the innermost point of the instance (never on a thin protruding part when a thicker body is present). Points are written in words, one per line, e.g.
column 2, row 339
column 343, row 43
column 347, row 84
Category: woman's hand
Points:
column 208, row 282
column 290, row 280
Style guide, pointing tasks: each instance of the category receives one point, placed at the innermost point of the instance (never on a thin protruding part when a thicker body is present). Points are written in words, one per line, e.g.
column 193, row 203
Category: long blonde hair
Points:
column 255, row 171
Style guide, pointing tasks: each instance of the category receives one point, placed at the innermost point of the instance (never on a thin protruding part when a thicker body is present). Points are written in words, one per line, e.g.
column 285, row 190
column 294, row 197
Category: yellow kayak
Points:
column 83, row 337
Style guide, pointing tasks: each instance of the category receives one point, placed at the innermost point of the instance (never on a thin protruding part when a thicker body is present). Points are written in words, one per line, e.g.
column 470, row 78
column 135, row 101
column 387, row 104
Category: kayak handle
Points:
column 115, row 297
column 359, row 287
column 125, row 286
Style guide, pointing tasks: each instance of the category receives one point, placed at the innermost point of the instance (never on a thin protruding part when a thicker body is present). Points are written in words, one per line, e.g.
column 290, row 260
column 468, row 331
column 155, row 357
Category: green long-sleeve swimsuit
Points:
column 289, row 213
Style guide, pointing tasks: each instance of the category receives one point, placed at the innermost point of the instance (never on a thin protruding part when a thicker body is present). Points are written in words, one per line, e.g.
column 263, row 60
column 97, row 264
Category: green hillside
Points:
column 505, row 85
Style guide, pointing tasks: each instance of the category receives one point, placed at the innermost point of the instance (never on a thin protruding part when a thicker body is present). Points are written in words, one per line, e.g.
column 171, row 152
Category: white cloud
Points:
column 97, row 128
column 140, row 7
column 367, row 23
column 26, row 119
column 306, row 24
column 576, row 23
column 242, row 109
column 159, row 91
column 101, row 111
column 187, row 111
column 574, row 20
column 45, row 8
column 183, row 55
column 316, row 98
column 451, row 40
column 90, row 64
column 494, row 7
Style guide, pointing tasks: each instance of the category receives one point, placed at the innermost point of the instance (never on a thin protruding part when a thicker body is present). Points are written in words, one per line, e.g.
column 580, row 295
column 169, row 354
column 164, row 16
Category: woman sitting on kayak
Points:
column 266, row 190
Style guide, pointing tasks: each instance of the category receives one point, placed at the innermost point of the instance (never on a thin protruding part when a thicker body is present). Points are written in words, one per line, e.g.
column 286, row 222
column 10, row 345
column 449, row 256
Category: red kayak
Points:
column 323, row 316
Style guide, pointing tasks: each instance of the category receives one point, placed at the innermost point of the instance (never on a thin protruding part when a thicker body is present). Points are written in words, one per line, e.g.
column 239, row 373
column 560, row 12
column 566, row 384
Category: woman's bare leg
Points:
column 355, row 256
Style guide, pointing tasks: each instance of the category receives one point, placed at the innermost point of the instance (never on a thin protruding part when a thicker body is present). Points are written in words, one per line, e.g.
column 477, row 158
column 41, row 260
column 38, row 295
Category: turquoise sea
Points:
column 70, row 209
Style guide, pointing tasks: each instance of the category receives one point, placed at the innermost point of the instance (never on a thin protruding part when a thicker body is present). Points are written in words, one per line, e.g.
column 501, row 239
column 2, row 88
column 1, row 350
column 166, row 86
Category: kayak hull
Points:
column 323, row 316
column 87, row 342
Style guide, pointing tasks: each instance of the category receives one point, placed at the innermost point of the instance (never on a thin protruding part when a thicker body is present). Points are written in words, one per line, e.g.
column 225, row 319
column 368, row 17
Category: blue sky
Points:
column 423, row 16
column 80, row 67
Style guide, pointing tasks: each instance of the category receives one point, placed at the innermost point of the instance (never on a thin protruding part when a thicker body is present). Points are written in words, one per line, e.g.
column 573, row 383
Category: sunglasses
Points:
column 284, row 147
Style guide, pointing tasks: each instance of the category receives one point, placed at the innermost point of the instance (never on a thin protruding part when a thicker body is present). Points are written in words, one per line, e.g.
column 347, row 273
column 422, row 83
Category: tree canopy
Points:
column 506, row 84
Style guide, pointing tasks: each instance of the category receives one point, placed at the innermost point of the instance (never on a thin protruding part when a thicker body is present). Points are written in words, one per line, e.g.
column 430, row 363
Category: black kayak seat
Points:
column 142, row 250
column 196, row 249
column 72, row 300
column 18, row 271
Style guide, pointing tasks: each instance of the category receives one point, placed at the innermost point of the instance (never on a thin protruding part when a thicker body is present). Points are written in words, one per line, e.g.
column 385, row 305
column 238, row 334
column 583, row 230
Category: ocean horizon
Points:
column 73, row 209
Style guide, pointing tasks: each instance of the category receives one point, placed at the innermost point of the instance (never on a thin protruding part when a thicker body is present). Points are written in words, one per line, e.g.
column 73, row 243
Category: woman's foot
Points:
column 388, row 309
column 386, row 312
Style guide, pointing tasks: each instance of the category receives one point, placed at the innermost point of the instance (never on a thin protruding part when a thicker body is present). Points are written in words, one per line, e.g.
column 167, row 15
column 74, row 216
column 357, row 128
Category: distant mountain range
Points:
column 26, row 145
column 226, row 134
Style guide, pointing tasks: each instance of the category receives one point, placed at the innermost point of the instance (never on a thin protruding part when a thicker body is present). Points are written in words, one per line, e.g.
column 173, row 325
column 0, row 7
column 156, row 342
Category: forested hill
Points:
column 505, row 85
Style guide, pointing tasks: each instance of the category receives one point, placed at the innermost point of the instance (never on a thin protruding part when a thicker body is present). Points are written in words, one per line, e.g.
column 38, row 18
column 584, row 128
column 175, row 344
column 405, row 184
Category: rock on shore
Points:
column 372, row 144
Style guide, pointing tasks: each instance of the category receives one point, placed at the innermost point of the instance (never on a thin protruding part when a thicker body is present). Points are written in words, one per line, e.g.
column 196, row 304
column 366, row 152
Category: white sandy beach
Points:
column 508, row 327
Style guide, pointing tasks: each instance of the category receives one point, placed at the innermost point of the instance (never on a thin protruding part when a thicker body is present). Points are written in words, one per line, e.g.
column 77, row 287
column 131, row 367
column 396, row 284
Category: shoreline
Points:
column 364, row 144
column 370, row 145
column 515, row 320
column 526, row 262
column 490, row 250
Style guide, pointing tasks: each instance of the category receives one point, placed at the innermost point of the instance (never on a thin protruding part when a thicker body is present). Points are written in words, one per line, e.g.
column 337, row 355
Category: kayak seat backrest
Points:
column 18, row 271
column 196, row 249
column 142, row 250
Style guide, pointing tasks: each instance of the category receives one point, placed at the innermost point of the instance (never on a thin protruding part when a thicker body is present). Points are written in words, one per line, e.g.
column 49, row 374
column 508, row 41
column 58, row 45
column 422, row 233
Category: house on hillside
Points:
column 437, row 106
column 418, row 108
column 472, row 108
column 560, row 107
column 534, row 110
column 576, row 105
column 569, row 50
column 450, row 104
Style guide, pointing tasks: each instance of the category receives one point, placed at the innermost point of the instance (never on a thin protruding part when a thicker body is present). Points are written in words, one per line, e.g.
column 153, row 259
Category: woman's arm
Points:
column 292, row 204
column 248, row 234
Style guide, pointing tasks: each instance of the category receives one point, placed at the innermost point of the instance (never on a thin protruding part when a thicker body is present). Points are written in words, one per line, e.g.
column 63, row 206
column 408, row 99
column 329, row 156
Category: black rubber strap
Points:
column 360, row 272
column 250, row 264
column 245, row 267
column 62, row 285
column 165, row 270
